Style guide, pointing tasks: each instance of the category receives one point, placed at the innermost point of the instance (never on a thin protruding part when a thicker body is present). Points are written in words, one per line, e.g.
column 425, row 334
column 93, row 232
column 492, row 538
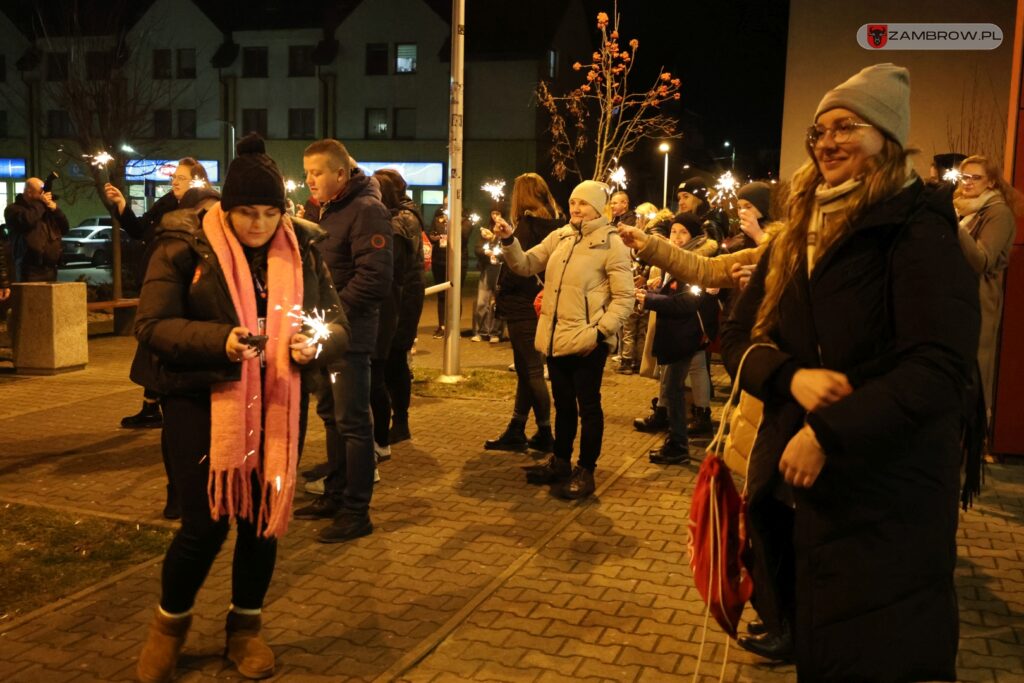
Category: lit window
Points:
column 377, row 124
column 405, row 58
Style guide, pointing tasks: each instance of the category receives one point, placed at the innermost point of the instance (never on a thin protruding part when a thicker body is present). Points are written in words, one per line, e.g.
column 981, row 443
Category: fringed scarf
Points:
column 827, row 200
column 241, row 412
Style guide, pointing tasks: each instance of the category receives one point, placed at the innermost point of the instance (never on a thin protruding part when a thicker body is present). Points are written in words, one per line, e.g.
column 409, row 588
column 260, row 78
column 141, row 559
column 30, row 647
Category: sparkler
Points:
column 493, row 250
column 290, row 185
column 695, row 290
column 197, row 183
column 474, row 218
column 317, row 325
column 495, row 188
column 725, row 191
column 100, row 160
column 952, row 176
column 617, row 178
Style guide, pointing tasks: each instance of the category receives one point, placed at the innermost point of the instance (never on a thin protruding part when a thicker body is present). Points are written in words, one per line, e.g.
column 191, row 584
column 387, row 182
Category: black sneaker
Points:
column 512, row 439
column 670, row 453
column 321, row 508
column 580, row 484
column 399, row 432
column 318, row 471
column 439, row 333
column 543, row 440
column 346, row 526
column 551, row 471
column 147, row 418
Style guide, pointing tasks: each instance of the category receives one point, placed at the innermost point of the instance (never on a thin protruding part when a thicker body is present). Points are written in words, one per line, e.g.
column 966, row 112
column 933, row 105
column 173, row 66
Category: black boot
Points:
column 654, row 421
column 777, row 647
column 700, row 424
column 172, row 508
column 399, row 431
column 543, row 440
column 670, row 453
column 512, row 439
column 148, row 417
column 551, row 471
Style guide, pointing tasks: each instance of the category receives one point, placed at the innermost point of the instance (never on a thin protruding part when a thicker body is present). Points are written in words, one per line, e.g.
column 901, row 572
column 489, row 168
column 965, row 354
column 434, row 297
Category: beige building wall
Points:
column 959, row 99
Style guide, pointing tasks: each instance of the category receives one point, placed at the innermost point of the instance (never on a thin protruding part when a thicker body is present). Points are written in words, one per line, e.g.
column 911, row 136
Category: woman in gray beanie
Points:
column 859, row 330
column 588, row 295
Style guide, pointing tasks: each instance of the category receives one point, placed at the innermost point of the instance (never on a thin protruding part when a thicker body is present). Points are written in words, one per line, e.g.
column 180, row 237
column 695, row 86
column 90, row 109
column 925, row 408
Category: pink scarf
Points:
column 239, row 411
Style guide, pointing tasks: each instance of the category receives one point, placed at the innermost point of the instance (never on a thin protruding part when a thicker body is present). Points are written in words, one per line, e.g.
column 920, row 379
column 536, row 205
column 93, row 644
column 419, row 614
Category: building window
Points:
column 161, row 64
column 300, row 124
column 57, row 66
column 162, row 123
column 405, row 58
column 405, row 123
column 376, row 59
column 300, row 60
column 186, row 62
column 187, row 123
column 58, row 123
column 377, row 124
column 98, row 65
column 254, row 62
column 3, row 124
column 254, row 121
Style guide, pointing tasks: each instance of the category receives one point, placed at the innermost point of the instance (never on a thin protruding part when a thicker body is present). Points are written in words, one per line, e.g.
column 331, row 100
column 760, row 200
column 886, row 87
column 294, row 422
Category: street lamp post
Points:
column 664, row 149
column 728, row 146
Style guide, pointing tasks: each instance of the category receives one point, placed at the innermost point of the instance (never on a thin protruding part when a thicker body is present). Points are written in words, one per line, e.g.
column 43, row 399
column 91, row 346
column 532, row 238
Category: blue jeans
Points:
column 344, row 406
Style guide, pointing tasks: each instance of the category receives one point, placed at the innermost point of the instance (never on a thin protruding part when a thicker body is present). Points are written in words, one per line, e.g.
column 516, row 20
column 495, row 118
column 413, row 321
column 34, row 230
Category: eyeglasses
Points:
column 965, row 178
column 841, row 131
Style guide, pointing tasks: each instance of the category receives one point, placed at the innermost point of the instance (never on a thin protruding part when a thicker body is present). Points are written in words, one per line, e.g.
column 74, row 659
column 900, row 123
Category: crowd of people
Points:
column 850, row 301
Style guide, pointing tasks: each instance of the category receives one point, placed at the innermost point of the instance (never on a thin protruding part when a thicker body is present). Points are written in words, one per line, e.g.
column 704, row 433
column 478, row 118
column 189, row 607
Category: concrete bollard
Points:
column 49, row 327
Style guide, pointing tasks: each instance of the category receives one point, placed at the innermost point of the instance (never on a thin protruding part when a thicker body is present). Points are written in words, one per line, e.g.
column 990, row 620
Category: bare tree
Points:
column 601, row 116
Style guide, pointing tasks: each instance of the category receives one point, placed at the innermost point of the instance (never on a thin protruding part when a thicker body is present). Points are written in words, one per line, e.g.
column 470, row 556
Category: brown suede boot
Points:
column 246, row 648
column 163, row 645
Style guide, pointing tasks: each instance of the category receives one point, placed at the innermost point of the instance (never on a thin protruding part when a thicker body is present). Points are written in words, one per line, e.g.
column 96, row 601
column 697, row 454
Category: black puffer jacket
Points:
column 894, row 306
column 515, row 294
column 358, row 253
column 185, row 311
column 408, row 247
column 31, row 220
column 144, row 228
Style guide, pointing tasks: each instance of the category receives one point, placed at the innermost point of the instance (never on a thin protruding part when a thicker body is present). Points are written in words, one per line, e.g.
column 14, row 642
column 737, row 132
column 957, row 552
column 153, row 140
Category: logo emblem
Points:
column 878, row 35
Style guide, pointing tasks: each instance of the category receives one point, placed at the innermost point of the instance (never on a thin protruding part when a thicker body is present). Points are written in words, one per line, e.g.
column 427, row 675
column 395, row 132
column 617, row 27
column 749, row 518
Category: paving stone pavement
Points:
column 471, row 574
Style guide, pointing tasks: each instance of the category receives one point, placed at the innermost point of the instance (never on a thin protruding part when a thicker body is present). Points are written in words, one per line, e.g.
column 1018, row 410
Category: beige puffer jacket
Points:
column 588, row 286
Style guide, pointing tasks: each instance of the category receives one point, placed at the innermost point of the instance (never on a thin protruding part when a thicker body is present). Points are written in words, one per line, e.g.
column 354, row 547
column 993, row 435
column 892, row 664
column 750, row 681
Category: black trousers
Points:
column 344, row 406
column 380, row 402
column 199, row 539
column 398, row 378
column 531, row 389
column 576, row 389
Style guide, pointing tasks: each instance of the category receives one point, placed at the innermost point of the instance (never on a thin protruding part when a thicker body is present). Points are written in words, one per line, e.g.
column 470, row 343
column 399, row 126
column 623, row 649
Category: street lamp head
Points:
column 128, row 149
column 725, row 144
column 664, row 147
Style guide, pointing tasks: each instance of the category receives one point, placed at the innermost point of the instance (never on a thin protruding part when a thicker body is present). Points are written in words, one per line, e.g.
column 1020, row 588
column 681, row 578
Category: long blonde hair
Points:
column 885, row 175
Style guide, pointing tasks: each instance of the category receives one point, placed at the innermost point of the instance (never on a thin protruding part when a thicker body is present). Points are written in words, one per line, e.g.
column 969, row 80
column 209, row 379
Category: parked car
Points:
column 90, row 242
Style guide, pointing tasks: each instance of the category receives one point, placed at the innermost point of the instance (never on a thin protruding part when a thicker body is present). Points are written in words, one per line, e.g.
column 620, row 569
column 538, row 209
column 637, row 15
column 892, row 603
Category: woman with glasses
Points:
column 858, row 330
column 986, row 205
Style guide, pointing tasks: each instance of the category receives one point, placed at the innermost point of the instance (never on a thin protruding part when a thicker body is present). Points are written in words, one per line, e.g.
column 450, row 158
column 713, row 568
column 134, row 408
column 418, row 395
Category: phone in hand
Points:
column 256, row 341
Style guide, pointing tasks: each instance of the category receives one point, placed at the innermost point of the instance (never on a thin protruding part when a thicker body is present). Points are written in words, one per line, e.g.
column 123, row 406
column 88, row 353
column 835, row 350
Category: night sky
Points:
column 731, row 57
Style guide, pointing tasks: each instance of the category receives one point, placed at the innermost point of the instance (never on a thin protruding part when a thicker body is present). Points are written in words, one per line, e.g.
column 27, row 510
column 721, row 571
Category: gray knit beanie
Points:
column 592, row 192
column 880, row 94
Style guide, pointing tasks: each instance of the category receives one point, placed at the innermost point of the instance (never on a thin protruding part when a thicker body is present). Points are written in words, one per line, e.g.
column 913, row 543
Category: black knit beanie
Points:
column 253, row 177
column 690, row 221
column 760, row 195
column 695, row 186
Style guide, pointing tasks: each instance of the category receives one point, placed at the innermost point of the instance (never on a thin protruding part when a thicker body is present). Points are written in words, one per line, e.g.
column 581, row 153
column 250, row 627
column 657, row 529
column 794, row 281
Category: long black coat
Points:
column 185, row 311
column 893, row 305
column 515, row 294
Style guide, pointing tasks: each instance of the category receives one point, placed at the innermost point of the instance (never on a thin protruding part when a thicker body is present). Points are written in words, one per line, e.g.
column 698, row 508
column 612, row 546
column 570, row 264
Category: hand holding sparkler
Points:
column 318, row 328
column 634, row 238
column 302, row 351
column 115, row 197
column 502, row 230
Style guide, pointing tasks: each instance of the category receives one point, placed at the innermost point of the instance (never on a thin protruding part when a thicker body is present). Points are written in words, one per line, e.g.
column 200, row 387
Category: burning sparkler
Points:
column 617, row 178
column 290, row 185
column 695, row 290
column 493, row 250
column 100, row 160
column 725, row 191
column 197, row 183
column 495, row 188
column 474, row 218
column 318, row 327
column 952, row 176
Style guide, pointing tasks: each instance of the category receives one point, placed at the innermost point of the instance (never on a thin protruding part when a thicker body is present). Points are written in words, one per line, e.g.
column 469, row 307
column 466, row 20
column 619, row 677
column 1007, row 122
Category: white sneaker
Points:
column 316, row 487
column 511, row 367
column 376, row 475
column 495, row 339
column 476, row 338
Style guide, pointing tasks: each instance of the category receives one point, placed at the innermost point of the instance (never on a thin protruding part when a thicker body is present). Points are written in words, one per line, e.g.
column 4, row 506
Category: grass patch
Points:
column 479, row 383
column 46, row 555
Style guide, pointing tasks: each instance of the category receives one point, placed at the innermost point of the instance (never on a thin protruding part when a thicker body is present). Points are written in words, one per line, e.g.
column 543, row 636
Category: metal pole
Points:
column 453, row 316
column 664, row 191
